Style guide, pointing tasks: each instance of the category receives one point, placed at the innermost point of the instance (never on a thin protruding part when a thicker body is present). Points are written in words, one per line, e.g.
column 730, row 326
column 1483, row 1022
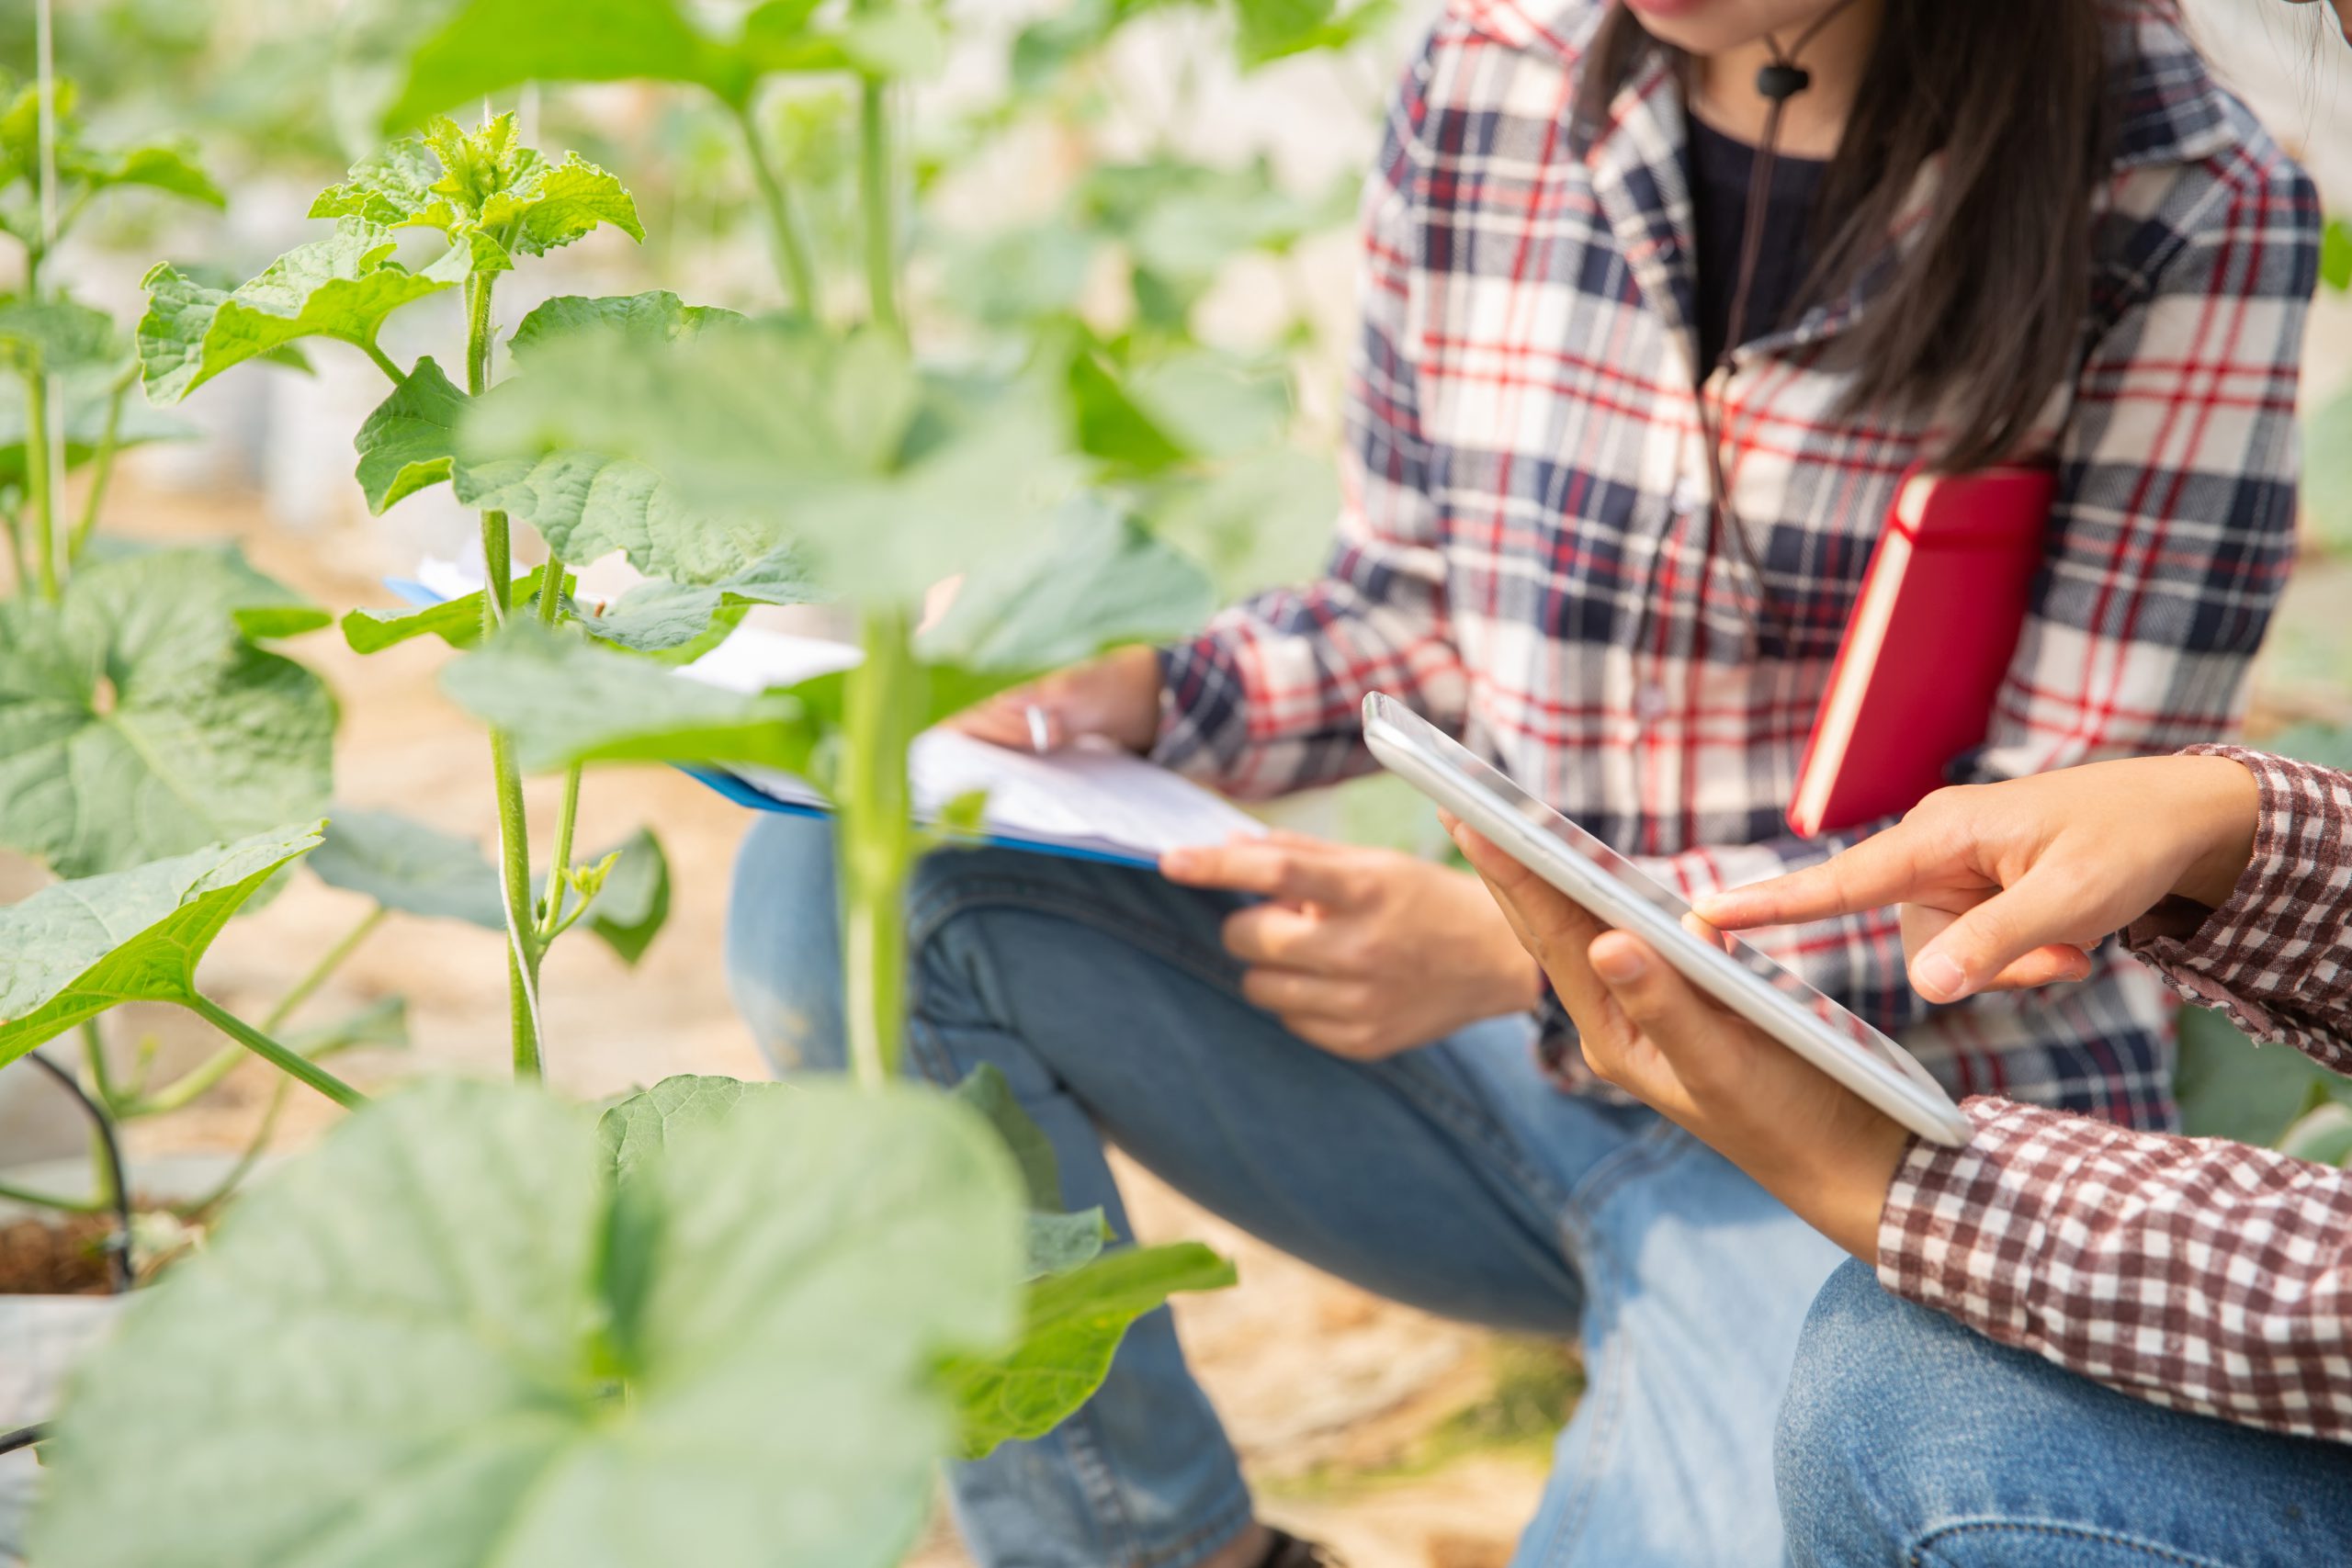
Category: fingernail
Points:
column 1939, row 977
column 1620, row 962
column 1179, row 863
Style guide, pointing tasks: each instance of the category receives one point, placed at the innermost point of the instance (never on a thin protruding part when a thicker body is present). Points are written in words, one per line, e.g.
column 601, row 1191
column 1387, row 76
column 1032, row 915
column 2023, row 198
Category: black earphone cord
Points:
column 1779, row 80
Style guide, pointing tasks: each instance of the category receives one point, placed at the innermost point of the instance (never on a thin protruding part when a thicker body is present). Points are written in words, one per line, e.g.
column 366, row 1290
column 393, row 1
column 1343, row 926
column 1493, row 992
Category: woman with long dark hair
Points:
column 1661, row 301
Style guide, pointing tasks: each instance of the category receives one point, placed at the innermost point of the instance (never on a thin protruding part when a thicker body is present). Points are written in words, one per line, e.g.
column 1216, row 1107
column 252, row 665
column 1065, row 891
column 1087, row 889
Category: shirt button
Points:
column 1649, row 703
column 1689, row 497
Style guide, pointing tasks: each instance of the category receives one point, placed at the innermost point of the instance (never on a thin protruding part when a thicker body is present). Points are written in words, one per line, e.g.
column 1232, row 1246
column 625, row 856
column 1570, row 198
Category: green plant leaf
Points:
column 1112, row 426
column 2328, row 745
column 674, row 621
column 895, row 42
column 586, row 505
column 437, row 1312
column 2322, row 1136
column 341, row 287
column 564, row 701
column 136, row 718
column 457, row 622
column 1274, row 30
column 986, row 1093
column 75, row 949
column 2327, row 472
column 80, row 396
column 1256, row 523
column 652, row 318
column 640, row 1128
column 483, row 189
column 416, row 869
column 1073, row 1326
column 482, row 47
column 2229, row 1088
column 887, row 479
column 2335, row 254
column 1096, row 578
column 54, row 333
column 410, row 866
column 1183, row 222
column 382, row 1024
column 167, row 166
column 634, row 902
column 406, row 444
column 1059, row 1243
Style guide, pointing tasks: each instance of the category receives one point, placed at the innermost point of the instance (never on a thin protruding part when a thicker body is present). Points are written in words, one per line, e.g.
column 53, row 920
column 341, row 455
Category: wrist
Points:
column 1840, row 1187
column 2224, row 802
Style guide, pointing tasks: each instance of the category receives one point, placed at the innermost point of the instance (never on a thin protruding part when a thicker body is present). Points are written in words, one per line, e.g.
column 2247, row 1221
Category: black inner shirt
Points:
column 1719, row 167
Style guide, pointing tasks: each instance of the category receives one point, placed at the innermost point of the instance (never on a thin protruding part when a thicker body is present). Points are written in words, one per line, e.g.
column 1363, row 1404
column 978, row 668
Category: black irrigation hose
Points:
column 22, row 1438
column 119, row 1247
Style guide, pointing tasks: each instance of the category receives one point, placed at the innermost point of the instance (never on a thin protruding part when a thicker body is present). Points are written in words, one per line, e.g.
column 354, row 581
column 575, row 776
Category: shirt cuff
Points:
column 1959, row 1222
column 1202, row 708
column 2296, row 890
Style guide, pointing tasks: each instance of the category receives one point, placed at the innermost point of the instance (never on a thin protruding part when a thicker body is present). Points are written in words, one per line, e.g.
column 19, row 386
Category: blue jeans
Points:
column 1453, row 1177
column 1908, row 1439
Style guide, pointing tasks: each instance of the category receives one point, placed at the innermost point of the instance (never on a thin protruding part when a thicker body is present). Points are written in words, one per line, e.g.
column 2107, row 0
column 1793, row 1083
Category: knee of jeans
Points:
column 783, row 965
column 1846, row 1453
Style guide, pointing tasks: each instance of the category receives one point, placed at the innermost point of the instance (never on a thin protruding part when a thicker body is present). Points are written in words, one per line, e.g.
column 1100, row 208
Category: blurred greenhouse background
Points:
column 1170, row 183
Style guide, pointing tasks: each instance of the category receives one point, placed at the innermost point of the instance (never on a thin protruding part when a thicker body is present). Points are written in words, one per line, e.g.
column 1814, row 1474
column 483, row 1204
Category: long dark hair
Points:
column 1983, row 317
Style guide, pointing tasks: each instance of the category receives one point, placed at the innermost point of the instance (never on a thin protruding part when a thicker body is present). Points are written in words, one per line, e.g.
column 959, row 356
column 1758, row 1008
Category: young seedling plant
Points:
column 735, row 1323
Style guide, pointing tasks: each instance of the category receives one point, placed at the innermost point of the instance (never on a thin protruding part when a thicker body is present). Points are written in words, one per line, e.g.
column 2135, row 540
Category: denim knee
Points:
column 1855, row 1426
column 784, row 952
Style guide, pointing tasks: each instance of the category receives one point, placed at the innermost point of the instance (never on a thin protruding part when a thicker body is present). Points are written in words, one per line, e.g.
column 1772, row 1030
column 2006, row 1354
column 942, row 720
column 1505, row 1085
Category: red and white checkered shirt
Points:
column 2190, row 1272
column 1524, row 553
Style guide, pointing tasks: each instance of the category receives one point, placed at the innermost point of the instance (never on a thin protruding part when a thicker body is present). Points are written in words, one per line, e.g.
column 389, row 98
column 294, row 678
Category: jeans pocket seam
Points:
column 1918, row 1554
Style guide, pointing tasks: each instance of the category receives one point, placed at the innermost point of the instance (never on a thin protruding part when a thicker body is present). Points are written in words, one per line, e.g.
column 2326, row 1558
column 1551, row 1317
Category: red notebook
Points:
column 1932, row 636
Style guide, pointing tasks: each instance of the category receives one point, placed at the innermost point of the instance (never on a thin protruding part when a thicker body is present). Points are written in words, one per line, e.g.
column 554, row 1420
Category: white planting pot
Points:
column 41, row 1339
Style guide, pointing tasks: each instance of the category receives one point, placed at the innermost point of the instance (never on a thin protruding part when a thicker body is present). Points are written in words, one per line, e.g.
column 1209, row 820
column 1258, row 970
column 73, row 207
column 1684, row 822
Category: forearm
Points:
column 1266, row 700
column 2191, row 1273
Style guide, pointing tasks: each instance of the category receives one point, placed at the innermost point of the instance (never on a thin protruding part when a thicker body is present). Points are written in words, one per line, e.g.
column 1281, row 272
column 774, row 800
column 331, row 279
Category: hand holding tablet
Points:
column 1606, row 891
column 1781, row 1110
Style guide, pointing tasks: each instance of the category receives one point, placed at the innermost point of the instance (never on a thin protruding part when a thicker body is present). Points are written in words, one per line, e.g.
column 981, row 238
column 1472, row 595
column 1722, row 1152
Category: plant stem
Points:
column 328, row 962
column 523, row 945
column 553, row 923
column 254, row 1149
column 99, row 1098
column 201, row 1078
column 106, row 1151
column 292, row 1063
column 386, row 363
column 39, row 480
column 876, row 193
column 18, row 580
column 101, row 468
column 787, row 242
column 94, row 1053
column 11, row 1194
column 877, row 840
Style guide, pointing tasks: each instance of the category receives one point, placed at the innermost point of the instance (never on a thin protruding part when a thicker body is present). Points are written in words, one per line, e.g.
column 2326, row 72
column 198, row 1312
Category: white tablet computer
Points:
column 1614, row 891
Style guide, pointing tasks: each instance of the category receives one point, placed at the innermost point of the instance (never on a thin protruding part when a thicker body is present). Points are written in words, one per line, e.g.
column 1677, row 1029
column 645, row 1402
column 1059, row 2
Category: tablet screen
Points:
column 1634, row 881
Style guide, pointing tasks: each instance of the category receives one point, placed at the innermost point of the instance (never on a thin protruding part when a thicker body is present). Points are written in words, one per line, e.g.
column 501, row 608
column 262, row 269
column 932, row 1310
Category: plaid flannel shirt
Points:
column 1524, row 553
column 2193, row 1273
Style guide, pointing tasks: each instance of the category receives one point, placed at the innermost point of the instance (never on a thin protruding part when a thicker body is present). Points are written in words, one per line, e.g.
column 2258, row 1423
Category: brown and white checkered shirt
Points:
column 2190, row 1272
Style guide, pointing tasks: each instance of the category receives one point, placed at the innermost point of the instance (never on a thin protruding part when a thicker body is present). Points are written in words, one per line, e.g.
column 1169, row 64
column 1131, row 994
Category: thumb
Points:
column 1981, row 944
column 1654, row 999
